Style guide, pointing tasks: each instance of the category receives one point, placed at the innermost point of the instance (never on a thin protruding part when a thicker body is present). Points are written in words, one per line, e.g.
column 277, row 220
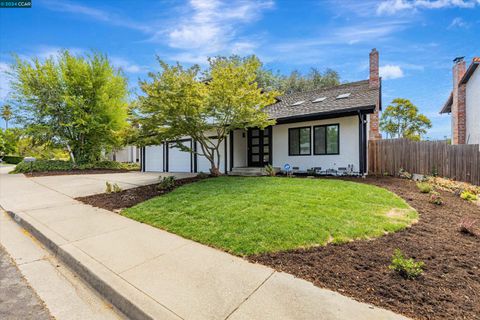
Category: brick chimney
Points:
column 458, row 102
column 374, row 82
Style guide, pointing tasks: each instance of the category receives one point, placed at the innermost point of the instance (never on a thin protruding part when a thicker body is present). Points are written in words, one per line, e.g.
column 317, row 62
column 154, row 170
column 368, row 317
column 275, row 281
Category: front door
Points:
column 259, row 147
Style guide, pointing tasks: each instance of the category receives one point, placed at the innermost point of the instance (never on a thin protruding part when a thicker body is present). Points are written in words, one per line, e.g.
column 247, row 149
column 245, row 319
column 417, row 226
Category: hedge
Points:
column 60, row 165
column 12, row 159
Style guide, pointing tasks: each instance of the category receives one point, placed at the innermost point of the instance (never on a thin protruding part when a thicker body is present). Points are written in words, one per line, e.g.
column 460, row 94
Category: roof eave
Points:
column 447, row 107
column 471, row 69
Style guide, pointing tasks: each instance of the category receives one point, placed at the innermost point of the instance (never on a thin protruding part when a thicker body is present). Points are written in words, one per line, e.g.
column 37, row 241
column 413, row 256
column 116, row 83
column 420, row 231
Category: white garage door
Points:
column 203, row 165
column 178, row 160
column 154, row 158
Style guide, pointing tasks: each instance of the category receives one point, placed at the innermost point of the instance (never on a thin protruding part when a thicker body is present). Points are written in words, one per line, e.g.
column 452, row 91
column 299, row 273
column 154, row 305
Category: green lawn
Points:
column 263, row 214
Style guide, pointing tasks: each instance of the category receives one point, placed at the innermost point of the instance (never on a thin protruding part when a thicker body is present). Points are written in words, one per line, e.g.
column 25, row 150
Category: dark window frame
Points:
column 309, row 142
column 326, row 139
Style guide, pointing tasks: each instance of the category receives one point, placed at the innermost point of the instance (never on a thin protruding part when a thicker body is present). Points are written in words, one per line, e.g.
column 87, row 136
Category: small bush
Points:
column 112, row 188
column 402, row 173
column 435, row 198
column 467, row 226
column 467, row 195
column 167, row 183
column 424, row 187
column 270, row 170
column 407, row 268
column 12, row 159
column 202, row 175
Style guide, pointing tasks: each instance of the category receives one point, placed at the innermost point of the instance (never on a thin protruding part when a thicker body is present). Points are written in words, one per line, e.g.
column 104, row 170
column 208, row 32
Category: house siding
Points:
column 348, row 147
column 473, row 108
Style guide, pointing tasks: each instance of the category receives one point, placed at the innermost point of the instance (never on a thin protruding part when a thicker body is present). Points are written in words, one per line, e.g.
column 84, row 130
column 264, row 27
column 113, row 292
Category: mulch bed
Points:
column 450, row 285
column 130, row 197
column 69, row 172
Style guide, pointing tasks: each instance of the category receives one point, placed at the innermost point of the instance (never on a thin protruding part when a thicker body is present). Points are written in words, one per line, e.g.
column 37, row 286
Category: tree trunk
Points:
column 214, row 171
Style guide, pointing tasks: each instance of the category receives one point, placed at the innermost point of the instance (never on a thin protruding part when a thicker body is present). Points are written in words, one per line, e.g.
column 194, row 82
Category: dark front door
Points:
column 259, row 147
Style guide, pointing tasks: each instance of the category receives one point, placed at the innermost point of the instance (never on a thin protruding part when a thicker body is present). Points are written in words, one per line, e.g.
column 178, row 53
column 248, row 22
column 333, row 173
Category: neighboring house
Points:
column 464, row 102
column 325, row 128
column 126, row 154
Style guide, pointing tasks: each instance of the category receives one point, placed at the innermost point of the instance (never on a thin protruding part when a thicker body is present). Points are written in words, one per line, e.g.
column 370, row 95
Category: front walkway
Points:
column 159, row 274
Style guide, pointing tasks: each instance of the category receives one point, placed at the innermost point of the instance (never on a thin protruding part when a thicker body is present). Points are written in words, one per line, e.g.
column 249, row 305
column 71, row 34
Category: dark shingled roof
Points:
column 361, row 97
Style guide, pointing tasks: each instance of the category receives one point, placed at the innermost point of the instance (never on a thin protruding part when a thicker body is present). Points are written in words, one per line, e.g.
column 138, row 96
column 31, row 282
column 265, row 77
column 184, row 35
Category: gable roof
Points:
column 447, row 107
column 360, row 97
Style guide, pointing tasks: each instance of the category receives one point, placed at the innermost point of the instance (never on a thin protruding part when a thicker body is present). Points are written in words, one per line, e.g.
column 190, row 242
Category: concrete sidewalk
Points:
column 151, row 274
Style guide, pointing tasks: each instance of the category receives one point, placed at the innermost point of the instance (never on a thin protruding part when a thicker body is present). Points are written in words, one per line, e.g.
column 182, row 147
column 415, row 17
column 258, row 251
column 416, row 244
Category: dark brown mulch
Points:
column 450, row 285
column 130, row 197
column 69, row 172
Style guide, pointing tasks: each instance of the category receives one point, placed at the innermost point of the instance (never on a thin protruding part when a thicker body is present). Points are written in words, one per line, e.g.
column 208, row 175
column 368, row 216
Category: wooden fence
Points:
column 458, row 162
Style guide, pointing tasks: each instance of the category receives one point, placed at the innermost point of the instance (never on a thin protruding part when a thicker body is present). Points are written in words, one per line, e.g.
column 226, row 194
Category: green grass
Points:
column 264, row 214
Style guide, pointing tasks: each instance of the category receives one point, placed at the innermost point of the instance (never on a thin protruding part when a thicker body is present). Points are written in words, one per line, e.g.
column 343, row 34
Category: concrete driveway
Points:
column 88, row 184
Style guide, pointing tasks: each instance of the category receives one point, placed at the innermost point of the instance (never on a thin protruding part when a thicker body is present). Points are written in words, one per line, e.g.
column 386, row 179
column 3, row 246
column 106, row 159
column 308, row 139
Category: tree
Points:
column 8, row 142
column 402, row 120
column 7, row 114
column 182, row 102
column 296, row 82
column 74, row 101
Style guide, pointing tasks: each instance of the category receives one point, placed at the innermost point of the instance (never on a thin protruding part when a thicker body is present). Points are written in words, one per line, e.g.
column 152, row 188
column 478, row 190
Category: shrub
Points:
column 270, row 170
column 202, row 175
column 12, row 159
column 424, row 187
column 435, row 198
column 402, row 173
column 407, row 268
column 467, row 226
column 112, row 188
column 167, row 183
column 469, row 196
column 61, row 165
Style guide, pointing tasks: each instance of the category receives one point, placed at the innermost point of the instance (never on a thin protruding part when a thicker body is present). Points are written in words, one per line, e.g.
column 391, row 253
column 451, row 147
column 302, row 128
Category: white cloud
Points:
column 126, row 65
column 390, row 7
column 458, row 23
column 391, row 71
column 211, row 26
column 97, row 14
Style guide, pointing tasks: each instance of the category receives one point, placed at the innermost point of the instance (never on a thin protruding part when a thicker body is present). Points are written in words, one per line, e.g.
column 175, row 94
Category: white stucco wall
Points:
column 240, row 148
column 473, row 108
column 154, row 158
column 349, row 148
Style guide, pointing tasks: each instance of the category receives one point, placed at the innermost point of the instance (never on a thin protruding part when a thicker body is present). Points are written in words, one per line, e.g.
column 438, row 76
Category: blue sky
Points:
column 417, row 40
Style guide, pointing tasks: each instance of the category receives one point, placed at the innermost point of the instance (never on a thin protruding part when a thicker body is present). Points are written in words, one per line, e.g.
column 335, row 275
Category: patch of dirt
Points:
column 70, row 172
column 450, row 285
column 130, row 197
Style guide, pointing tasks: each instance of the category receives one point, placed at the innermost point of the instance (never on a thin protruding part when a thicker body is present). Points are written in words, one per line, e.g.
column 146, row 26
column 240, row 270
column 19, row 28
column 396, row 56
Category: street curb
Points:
column 128, row 308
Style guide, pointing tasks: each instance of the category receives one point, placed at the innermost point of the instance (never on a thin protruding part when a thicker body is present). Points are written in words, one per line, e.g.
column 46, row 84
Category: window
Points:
column 299, row 141
column 326, row 139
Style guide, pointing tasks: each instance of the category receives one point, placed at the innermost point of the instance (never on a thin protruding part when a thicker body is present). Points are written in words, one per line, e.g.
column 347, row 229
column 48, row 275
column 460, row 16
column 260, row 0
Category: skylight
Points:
column 298, row 103
column 319, row 99
column 343, row 95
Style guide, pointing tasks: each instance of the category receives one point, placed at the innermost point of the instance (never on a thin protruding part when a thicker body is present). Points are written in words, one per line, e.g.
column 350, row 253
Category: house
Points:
column 464, row 102
column 325, row 129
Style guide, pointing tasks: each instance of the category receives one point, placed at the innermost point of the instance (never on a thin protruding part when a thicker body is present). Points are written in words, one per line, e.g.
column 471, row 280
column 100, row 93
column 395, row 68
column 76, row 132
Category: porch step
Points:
column 247, row 171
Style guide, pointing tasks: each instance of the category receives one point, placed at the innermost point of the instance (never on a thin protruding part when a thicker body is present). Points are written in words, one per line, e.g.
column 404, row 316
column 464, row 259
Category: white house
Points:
column 464, row 102
column 326, row 129
column 129, row 154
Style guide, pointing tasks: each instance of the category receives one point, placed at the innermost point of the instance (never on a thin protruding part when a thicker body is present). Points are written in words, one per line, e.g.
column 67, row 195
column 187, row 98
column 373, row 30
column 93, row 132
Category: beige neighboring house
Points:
column 129, row 154
column 464, row 102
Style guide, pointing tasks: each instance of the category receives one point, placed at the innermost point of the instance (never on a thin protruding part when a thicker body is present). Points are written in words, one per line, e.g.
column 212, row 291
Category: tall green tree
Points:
column 79, row 102
column 7, row 114
column 180, row 102
column 296, row 81
column 401, row 119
